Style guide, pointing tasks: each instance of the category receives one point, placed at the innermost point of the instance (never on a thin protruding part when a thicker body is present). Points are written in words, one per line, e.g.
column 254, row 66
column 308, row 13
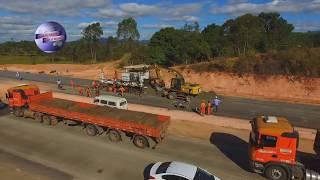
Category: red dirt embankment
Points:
column 305, row 90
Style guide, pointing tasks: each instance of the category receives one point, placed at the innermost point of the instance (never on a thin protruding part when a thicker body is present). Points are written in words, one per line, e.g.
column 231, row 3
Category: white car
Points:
column 111, row 101
column 178, row 171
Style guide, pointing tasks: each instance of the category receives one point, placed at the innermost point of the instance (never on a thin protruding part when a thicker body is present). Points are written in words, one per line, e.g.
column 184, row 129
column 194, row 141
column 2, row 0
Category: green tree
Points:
column 277, row 29
column 180, row 46
column 214, row 36
column 191, row 27
column 127, row 30
column 91, row 34
column 245, row 33
column 168, row 41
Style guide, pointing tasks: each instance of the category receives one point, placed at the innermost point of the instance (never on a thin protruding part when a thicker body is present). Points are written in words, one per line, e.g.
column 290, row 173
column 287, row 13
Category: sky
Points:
column 20, row 18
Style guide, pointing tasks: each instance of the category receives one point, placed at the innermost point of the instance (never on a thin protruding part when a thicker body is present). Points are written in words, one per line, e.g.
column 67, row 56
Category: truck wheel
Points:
column 140, row 141
column 54, row 120
column 114, row 136
column 18, row 112
column 46, row 120
column 91, row 130
column 171, row 96
column 38, row 117
column 276, row 173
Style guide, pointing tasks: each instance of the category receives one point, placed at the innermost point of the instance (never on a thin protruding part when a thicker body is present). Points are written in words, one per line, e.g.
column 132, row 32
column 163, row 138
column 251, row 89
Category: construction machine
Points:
column 273, row 145
column 178, row 89
column 156, row 81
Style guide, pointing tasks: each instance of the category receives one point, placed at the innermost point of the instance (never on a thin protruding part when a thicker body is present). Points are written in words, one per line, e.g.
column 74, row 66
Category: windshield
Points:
column 123, row 103
column 203, row 175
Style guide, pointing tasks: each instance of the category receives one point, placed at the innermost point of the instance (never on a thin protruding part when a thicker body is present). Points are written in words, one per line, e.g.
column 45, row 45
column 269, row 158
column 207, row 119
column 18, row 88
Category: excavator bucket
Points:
column 316, row 145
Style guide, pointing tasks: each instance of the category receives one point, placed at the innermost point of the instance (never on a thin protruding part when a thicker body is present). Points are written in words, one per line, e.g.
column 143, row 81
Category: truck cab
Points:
column 18, row 97
column 273, row 145
column 111, row 101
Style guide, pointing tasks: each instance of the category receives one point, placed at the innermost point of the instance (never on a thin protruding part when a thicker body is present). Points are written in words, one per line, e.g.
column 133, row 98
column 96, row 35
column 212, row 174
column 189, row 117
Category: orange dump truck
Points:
column 273, row 148
column 145, row 129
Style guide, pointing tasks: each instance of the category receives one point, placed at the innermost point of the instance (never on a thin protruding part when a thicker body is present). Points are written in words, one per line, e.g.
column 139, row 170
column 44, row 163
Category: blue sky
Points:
column 19, row 19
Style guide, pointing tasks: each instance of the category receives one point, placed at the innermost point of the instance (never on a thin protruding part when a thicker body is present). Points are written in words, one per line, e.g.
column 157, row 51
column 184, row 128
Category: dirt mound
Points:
column 305, row 90
column 89, row 71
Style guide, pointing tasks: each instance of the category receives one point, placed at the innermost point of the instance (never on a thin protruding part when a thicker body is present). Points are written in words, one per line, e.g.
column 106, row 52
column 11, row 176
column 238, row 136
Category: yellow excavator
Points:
column 178, row 87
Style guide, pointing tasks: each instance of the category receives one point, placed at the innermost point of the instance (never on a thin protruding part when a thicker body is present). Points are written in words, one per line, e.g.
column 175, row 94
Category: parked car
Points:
column 111, row 101
column 177, row 171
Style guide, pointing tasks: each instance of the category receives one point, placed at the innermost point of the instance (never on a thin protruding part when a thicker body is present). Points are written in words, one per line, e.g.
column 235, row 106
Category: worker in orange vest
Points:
column 203, row 108
column 88, row 92
column 72, row 84
column 209, row 108
column 121, row 89
column 94, row 84
column 80, row 90
column 114, row 89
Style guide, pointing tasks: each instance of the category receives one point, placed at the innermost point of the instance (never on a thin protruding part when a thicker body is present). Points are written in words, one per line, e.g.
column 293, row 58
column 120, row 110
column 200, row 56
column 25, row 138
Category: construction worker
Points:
column 203, row 108
column 72, row 84
column 114, row 89
column 209, row 108
column 88, row 92
column 94, row 84
column 18, row 76
column 216, row 102
column 97, row 92
column 80, row 90
column 121, row 89
column 59, row 84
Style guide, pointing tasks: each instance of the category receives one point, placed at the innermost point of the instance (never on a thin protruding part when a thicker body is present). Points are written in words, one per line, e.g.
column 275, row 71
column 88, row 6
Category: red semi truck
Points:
column 144, row 129
column 273, row 150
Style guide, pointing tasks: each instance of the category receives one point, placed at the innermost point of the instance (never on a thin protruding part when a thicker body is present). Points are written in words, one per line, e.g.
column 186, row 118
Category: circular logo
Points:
column 50, row 37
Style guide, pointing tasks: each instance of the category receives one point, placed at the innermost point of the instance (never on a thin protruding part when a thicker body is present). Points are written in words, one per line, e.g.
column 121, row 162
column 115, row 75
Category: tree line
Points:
column 259, row 41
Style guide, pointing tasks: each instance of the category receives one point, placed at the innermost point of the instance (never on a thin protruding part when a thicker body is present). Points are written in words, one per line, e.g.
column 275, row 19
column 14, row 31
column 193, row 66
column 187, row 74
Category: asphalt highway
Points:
column 302, row 115
column 71, row 153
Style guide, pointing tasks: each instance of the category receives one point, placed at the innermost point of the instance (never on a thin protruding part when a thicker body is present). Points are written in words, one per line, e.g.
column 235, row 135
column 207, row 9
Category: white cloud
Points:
column 180, row 12
column 156, row 26
column 139, row 9
column 306, row 26
column 108, row 24
column 65, row 7
column 242, row 7
column 128, row 10
column 184, row 9
column 183, row 18
column 112, row 13
column 16, row 27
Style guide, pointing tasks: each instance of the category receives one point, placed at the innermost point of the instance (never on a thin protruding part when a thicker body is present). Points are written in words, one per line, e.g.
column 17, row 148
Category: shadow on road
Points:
column 233, row 147
column 4, row 109
column 309, row 160
column 146, row 171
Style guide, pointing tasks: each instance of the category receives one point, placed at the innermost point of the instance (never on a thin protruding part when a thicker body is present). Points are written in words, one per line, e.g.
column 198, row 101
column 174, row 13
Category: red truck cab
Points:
column 272, row 148
column 18, row 97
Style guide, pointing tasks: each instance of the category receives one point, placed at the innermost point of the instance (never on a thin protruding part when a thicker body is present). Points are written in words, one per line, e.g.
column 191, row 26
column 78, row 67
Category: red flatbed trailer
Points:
column 117, row 123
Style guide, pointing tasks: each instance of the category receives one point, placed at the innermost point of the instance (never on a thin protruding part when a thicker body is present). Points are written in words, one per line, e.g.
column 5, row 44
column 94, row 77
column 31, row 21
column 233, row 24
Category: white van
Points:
column 111, row 101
